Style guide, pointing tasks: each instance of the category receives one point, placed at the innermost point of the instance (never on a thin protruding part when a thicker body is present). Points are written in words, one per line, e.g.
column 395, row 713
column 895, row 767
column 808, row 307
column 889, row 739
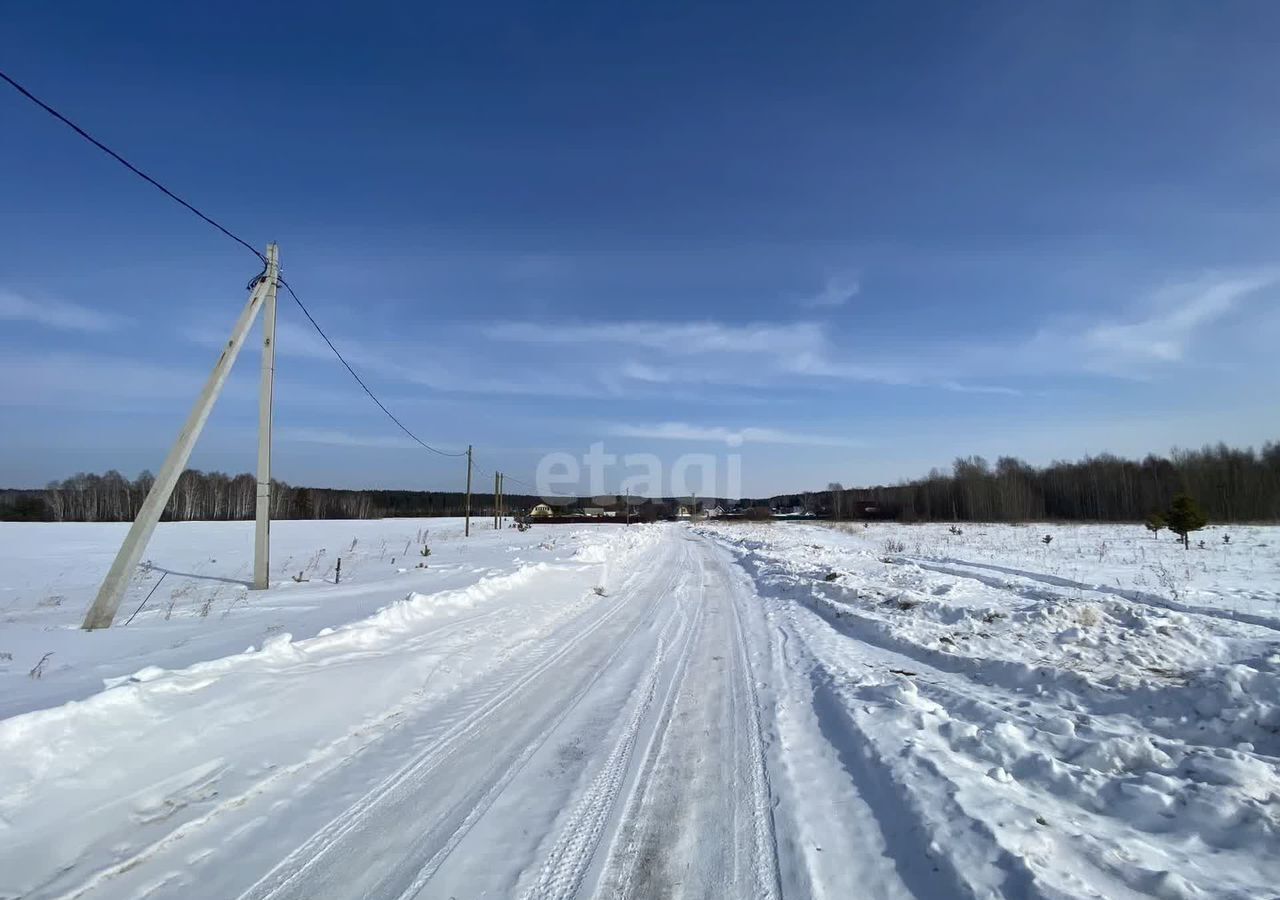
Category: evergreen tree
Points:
column 1155, row 522
column 1185, row 516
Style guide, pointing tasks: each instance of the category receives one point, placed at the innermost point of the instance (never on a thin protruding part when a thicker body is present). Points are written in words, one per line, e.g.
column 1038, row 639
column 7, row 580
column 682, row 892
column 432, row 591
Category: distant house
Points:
column 541, row 511
column 594, row 512
column 684, row 512
column 715, row 512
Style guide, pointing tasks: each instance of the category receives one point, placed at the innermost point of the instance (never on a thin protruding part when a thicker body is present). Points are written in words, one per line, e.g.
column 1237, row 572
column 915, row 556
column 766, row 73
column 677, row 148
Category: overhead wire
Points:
column 239, row 240
column 128, row 165
column 360, row 381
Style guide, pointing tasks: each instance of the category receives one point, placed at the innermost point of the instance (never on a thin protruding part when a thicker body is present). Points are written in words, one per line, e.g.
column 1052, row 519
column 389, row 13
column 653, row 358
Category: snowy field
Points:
column 716, row 710
column 1094, row 717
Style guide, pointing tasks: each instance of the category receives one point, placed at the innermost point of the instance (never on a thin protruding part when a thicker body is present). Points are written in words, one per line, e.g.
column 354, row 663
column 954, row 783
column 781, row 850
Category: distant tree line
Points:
column 1230, row 485
column 216, row 496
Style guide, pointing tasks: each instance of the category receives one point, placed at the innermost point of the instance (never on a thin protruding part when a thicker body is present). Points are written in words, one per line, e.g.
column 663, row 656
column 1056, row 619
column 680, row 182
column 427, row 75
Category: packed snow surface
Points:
column 707, row 710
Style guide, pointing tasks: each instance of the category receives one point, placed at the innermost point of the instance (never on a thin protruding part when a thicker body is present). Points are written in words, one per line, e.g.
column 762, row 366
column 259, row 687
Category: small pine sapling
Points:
column 1185, row 516
column 1155, row 522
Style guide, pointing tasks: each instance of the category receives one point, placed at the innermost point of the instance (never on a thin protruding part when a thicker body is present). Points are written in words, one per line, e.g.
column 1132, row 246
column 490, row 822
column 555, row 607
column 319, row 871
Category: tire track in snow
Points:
column 908, row 781
column 765, row 851
column 566, row 865
column 925, row 851
column 682, row 829
column 328, row 758
column 925, row 848
column 481, row 805
column 625, row 869
column 460, row 726
column 946, row 566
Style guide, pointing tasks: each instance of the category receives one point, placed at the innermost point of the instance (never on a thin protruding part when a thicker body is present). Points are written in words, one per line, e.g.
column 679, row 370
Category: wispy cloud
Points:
column 58, row 314
column 761, row 354
column 1183, row 311
column 337, row 438
column 734, row 437
column 998, row 390
column 380, row 365
column 838, row 290
column 594, row 360
column 673, row 337
column 85, row 381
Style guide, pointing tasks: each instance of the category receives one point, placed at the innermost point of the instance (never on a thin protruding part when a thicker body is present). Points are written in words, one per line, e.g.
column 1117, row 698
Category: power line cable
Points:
column 229, row 233
column 360, row 381
column 128, row 165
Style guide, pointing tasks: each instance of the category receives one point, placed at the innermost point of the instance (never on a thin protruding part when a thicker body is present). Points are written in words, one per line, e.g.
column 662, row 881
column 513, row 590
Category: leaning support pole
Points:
column 262, row 514
column 104, row 608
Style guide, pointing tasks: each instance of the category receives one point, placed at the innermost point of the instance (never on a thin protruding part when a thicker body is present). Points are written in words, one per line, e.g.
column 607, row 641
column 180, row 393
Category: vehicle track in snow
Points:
column 458, row 634
column 699, row 819
column 969, row 775
column 562, row 874
column 384, row 811
column 566, row 743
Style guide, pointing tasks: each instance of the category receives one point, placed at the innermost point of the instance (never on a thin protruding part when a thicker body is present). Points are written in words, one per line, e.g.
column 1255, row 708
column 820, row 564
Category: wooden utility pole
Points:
column 103, row 610
column 495, row 501
column 466, row 529
column 501, row 499
column 266, row 392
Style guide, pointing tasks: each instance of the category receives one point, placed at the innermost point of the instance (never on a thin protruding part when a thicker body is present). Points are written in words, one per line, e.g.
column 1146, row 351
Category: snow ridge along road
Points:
column 741, row 710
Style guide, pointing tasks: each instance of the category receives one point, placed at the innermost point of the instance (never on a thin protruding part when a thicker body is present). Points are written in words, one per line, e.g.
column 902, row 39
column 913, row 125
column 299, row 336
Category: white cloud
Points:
column 757, row 355
column 838, row 290
column 959, row 388
column 1184, row 312
column 333, row 437
column 583, row 359
column 638, row 371
column 57, row 314
column 681, row 338
column 681, row 431
column 79, row 381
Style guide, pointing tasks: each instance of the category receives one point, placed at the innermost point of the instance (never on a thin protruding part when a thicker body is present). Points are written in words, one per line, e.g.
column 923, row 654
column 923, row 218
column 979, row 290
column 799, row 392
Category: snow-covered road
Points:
column 588, row 725
column 655, row 711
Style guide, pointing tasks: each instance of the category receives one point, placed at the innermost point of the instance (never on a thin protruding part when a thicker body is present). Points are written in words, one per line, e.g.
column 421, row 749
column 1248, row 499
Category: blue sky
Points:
column 845, row 241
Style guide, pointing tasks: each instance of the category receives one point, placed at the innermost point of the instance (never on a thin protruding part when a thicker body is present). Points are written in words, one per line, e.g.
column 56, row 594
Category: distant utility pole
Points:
column 501, row 499
column 466, row 529
column 628, row 507
column 495, row 501
column 103, row 610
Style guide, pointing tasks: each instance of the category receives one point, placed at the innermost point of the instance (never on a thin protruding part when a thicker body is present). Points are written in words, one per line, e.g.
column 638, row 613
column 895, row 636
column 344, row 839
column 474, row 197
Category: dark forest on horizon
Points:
column 1231, row 485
